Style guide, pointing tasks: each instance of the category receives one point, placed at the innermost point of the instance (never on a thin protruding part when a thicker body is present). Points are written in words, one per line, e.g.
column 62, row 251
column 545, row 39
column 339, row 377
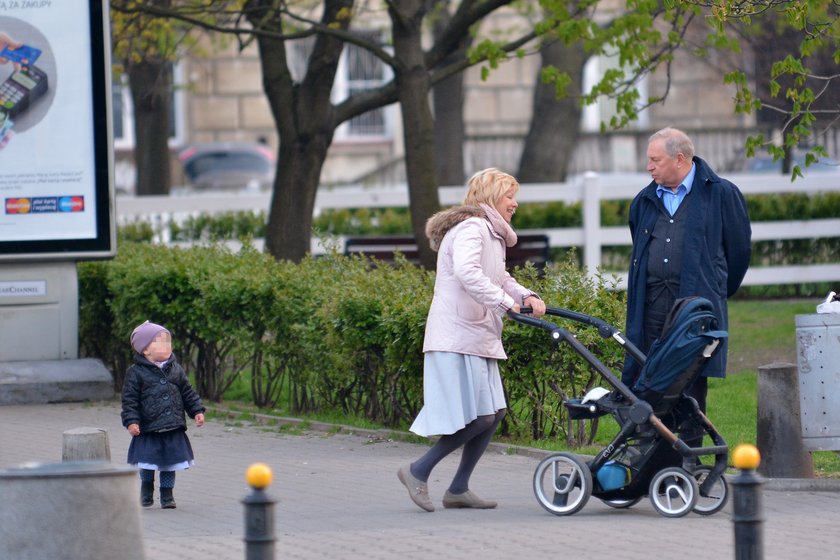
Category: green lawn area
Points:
column 760, row 333
column 763, row 332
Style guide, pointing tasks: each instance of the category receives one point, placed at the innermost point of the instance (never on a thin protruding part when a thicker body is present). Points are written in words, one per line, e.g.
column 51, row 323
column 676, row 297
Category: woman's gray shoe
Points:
column 466, row 500
column 418, row 490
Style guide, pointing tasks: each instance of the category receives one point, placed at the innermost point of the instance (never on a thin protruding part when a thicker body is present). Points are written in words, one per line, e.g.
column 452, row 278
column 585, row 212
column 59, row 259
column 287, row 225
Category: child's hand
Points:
column 199, row 419
column 134, row 429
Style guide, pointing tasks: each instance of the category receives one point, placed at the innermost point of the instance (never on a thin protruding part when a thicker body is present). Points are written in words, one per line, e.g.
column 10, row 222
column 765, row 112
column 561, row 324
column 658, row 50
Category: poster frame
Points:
column 103, row 245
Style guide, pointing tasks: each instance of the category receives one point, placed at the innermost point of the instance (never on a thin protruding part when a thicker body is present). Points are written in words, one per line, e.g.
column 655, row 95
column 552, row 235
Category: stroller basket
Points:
column 648, row 456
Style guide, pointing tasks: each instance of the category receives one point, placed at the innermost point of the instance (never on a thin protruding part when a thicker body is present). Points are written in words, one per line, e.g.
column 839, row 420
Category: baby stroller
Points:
column 648, row 456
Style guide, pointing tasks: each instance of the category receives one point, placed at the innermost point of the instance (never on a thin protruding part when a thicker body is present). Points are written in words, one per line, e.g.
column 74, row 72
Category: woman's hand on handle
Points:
column 536, row 304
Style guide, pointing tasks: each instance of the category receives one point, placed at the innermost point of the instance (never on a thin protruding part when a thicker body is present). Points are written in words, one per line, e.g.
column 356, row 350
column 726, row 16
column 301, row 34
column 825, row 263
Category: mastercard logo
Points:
column 71, row 204
column 18, row 205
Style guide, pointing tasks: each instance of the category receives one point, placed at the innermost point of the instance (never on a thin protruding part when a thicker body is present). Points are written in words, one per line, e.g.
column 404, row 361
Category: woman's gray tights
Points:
column 475, row 437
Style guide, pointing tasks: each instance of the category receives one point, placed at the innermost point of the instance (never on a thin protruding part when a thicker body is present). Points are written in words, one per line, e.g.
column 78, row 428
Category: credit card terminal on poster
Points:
column 21, row 89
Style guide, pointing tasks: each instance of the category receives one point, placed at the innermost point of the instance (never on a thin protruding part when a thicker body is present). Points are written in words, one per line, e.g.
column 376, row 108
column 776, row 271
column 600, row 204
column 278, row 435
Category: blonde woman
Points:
column 462, row 389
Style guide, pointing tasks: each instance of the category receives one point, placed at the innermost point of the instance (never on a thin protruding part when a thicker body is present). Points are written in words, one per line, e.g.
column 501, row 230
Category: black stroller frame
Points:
column 648, row 456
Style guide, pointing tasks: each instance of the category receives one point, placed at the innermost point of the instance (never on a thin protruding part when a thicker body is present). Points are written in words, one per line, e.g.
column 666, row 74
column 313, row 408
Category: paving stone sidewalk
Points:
column 339, row 497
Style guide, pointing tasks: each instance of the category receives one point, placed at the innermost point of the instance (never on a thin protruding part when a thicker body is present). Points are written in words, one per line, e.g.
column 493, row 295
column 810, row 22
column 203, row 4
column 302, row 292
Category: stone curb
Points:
column 770, row 484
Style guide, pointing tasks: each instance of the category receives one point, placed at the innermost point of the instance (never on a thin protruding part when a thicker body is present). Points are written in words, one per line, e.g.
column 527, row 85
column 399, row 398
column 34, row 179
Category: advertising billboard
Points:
column 56, row 157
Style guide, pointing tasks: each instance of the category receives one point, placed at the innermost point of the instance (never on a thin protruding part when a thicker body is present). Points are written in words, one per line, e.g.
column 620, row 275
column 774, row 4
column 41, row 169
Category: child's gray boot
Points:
column 147, row 493
column 167, row 501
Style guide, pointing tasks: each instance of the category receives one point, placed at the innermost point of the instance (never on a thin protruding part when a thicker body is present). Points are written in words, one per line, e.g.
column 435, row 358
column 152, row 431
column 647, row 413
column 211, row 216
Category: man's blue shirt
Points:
column 673, row 199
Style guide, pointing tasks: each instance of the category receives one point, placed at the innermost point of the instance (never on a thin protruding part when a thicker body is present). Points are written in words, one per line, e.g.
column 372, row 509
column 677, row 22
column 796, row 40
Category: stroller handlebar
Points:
column 604, row 329
column 524, row 318
column 559, row 334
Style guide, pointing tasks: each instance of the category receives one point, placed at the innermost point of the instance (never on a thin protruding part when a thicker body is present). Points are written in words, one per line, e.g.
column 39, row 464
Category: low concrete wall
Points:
column 50, row 381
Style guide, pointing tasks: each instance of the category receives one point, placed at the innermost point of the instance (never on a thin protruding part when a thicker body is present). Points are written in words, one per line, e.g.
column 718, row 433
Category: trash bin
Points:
column 70, row 510
column 818, row 362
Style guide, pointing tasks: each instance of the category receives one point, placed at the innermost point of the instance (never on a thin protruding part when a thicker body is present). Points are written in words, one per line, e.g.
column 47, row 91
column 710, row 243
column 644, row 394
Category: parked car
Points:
column 228, row 166
column 764, row 163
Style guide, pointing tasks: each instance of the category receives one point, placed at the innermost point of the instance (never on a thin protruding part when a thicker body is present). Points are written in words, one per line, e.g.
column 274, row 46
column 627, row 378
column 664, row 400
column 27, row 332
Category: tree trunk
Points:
column 413, row 88
column 448, row 99
column 151, row 86
column 289, row 230
column 555, row 124
column 449, row 130
column 305, row 120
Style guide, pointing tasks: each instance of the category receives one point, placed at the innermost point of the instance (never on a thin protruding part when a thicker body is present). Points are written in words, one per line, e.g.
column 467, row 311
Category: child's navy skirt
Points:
column 161, row 451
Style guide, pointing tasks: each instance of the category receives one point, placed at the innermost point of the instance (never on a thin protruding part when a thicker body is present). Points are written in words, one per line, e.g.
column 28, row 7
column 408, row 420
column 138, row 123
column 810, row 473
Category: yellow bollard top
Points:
column 746, row 457
column 258, row 475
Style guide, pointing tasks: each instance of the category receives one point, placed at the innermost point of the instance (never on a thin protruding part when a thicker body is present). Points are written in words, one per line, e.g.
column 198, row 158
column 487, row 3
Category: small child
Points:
column 156, row 393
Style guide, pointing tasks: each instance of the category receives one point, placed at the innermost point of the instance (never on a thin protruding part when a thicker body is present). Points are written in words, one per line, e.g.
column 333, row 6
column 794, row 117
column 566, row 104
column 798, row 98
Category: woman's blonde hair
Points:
column 489, row 186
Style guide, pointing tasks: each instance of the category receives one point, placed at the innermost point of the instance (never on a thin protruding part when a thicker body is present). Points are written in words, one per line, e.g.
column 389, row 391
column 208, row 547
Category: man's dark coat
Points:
column 715, row 257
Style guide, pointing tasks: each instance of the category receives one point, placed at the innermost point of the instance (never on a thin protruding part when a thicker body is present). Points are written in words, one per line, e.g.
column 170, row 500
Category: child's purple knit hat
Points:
column 144, row 334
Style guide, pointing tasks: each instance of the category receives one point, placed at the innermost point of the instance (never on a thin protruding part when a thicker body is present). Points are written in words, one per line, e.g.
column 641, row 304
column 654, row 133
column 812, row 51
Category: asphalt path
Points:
column 337, row 496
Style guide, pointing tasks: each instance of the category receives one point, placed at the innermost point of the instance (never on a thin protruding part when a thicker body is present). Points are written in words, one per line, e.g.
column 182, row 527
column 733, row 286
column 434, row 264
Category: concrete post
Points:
column 778, row 430
column 85, row 444
column 85, row 510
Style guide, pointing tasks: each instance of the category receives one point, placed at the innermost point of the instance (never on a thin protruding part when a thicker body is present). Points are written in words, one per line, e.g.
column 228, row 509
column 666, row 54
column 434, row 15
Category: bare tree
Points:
column 144, row 49
column 303, row 112
column 151, row 89
column 643, row 36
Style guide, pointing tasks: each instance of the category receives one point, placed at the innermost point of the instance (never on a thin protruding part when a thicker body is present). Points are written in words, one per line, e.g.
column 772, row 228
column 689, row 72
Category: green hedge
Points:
column 383, row 221
column 331, row 334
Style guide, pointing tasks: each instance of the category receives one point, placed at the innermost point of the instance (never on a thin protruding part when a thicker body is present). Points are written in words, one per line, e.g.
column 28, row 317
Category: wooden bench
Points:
column 531, row 248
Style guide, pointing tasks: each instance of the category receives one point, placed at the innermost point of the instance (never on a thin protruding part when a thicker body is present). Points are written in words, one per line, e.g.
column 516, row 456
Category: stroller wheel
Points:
column 622, row 504
column 718, row 493
column 673, row 492
column 562, row 483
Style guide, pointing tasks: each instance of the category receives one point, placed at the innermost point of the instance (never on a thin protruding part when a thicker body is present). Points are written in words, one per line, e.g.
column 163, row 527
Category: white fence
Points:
column 590, row 188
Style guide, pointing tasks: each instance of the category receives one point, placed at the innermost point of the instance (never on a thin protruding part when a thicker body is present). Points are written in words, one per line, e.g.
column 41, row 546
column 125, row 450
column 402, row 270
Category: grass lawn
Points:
column 760, row 333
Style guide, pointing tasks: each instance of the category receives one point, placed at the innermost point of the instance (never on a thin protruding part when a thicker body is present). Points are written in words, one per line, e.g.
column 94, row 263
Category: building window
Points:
column 358, row 70
column 604, row 109
column 364, row 71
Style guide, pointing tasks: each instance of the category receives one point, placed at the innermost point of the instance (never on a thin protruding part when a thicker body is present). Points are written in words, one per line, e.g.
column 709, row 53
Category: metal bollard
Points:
column 259, row 515
column 747, row 508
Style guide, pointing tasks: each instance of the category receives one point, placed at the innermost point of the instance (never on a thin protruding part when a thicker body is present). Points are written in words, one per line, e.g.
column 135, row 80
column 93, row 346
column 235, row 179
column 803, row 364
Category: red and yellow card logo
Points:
column 18, row 206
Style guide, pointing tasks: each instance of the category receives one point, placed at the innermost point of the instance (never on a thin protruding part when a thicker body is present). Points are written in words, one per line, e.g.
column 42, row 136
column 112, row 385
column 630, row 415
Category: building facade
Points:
column 220, row 98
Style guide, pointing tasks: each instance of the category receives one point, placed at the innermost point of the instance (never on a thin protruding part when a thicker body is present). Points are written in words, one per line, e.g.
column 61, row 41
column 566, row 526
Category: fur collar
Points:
column 443, row 221
column 439, row 224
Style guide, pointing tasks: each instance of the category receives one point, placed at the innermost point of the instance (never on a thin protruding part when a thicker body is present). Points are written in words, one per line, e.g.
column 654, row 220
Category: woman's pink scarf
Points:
column 499, row 225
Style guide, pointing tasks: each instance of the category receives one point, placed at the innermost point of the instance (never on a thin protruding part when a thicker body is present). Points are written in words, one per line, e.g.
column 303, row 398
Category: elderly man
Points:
column 691, row 237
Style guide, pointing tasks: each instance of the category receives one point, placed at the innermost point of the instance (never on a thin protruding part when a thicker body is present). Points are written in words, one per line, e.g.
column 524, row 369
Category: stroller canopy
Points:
column 690, row 327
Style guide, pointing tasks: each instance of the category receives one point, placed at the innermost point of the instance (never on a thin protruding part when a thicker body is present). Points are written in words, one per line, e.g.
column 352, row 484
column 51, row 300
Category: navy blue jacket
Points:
column 156, row 398
column 715, row 255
